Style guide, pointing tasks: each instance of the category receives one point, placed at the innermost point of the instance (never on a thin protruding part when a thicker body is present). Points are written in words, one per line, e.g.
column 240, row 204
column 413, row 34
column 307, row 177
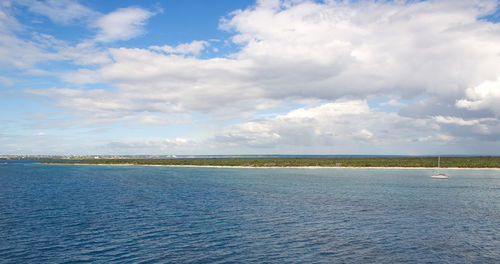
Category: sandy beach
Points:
column 278, row 167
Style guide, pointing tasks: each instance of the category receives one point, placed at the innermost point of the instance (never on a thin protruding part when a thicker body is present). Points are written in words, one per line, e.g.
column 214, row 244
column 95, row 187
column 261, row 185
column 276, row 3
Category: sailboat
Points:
column 439, row 175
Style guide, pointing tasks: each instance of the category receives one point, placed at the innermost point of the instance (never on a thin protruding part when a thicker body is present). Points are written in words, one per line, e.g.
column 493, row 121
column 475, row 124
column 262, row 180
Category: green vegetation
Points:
column 446, row 162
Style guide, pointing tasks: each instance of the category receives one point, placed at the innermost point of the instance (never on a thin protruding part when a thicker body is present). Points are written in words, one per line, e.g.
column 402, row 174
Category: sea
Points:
column 132, row 214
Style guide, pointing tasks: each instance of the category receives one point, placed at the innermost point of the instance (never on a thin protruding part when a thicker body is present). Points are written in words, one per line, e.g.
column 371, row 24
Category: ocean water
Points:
column 114, row 214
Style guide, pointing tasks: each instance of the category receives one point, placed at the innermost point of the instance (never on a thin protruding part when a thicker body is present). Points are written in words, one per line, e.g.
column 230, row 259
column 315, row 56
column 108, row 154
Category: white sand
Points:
column 277, row 167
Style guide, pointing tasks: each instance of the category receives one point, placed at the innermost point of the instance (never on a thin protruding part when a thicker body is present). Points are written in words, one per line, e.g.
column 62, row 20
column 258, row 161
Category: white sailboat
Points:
column 439, row 175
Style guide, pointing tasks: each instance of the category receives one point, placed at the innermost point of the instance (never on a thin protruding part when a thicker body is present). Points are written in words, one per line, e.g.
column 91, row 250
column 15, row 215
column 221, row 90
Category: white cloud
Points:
column 442, row 138
column 26, row 54
column 336, row 53
column 60, row 11
column 460, row 121
column 16, row 52
column 484, row 96
column 481, row 126
column 101, row 107
column 353, row 127
column 319, row 51
column 344, row 126
column 393, row 102
column 122, row 24
column 328, row 124
column 7, row 22
column 84, row 54
column 194, row 48
column 21, row 54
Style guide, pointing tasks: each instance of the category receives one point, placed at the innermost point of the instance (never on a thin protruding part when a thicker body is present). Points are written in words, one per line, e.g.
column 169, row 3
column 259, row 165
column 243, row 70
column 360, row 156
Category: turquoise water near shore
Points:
column 69, row 213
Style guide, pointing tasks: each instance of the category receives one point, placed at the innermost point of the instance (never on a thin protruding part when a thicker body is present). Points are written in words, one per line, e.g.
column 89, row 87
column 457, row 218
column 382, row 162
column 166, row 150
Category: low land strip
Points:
column 387, row 162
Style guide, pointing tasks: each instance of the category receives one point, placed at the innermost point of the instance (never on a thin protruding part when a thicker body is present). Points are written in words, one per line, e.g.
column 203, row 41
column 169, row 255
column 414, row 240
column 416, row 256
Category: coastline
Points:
column 271, row 167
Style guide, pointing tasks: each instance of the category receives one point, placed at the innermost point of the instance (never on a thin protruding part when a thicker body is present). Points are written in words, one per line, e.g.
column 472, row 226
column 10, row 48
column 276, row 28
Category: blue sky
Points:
column 249, row 77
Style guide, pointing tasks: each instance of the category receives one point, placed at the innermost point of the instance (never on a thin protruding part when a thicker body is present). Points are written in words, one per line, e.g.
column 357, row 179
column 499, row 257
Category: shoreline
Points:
column 271, row 167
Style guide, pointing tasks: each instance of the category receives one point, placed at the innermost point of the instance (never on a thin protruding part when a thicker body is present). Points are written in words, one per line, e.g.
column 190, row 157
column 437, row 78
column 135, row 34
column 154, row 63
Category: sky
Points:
column 249, row 77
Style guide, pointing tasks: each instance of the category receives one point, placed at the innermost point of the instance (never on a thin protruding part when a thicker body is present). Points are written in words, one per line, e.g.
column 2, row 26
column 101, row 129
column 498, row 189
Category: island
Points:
column 266, row 162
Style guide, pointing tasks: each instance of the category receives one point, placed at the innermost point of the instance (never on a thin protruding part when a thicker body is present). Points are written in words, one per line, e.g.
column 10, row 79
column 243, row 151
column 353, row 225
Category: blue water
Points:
column 111, row 214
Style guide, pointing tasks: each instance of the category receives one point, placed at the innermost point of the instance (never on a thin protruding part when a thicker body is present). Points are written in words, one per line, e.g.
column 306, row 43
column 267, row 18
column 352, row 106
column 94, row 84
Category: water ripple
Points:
column 71, row 214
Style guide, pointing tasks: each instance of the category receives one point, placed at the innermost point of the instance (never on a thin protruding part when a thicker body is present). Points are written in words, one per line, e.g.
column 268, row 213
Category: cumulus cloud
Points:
column 484, row 96
column 339, row 53
column 323, row 51
column 343, row 126
column 370, row 47
column 340, row 120
column 194, row 48
column 337, row 127
column 122, row 24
